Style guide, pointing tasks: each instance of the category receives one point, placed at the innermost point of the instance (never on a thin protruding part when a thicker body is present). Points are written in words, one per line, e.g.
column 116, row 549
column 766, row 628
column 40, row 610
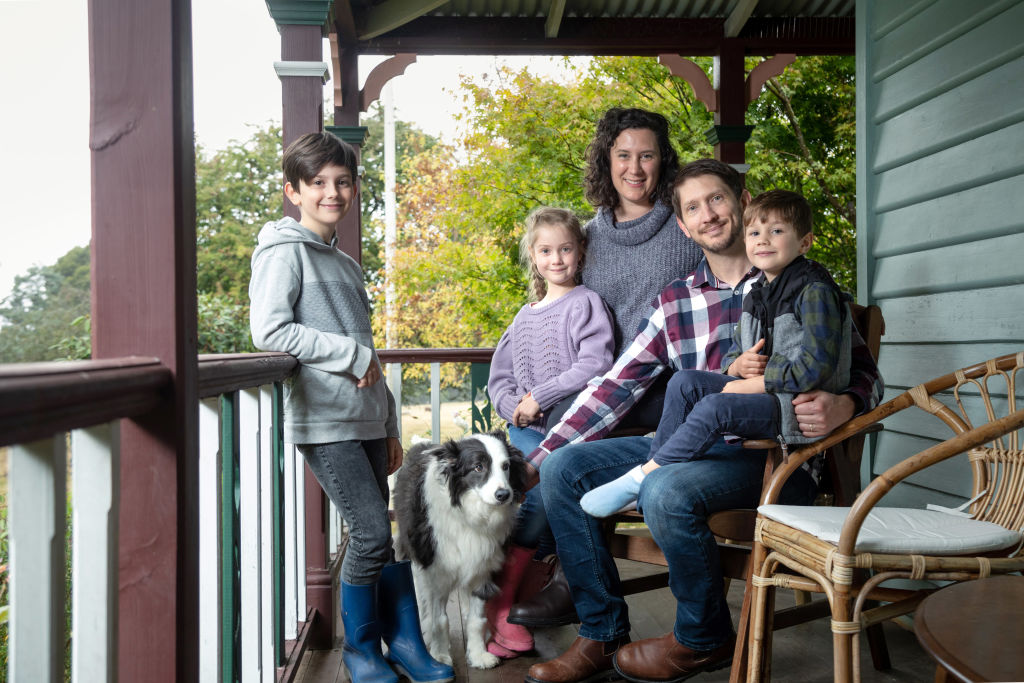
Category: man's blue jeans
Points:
column 676, row 501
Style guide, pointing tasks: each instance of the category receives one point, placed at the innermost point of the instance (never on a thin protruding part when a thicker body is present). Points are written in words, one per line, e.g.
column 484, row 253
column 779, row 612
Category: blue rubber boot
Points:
column 361, row 653
column 400, row 628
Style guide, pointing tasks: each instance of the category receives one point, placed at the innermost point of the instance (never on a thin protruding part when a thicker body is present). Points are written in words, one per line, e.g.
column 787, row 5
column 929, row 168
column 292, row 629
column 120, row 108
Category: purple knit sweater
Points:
column 551, row 351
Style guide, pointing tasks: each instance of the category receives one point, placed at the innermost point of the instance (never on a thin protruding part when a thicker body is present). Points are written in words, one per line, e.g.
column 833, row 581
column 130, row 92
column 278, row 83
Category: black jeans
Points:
column 354, row 476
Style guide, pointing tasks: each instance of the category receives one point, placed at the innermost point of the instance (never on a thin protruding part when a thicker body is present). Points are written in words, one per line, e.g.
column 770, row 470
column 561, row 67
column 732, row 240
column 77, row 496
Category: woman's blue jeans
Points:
column 676, row 501
column 532, row 530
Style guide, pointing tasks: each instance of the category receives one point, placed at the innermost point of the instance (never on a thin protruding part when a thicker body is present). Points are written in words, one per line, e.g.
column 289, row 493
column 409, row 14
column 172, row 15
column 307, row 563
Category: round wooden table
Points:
column 975, row 629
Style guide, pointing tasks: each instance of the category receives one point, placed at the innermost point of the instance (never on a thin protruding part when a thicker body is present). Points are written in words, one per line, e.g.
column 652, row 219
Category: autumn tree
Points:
column 525, row 147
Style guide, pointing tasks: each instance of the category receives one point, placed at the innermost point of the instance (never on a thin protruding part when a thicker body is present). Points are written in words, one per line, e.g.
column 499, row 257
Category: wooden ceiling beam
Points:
column 430, row 35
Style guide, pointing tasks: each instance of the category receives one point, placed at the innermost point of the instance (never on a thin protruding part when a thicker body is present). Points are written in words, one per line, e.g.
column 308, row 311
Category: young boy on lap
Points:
column 793, row 337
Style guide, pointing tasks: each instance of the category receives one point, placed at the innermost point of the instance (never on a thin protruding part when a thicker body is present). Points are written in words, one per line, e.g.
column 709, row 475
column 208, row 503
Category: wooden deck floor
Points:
column 801, row 654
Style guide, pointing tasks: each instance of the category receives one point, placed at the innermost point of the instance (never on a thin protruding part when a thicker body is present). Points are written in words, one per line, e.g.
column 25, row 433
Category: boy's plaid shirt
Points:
column 689, row 326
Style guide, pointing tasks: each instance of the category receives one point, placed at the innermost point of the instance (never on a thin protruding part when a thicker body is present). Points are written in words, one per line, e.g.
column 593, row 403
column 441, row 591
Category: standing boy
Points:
column 308, row 299
column 796, row 328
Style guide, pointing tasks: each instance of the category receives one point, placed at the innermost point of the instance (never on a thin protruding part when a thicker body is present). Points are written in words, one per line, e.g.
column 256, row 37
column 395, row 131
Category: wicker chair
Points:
column 849, row 553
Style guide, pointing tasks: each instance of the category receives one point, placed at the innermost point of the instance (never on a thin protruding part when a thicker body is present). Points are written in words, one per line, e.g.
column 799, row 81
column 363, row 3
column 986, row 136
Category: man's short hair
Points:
column 790, row 207
column 308, row 155
column 729, row 175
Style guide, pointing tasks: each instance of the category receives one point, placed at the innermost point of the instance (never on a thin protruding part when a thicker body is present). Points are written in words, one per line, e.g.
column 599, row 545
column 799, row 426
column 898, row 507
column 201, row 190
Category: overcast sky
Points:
column 44, row 174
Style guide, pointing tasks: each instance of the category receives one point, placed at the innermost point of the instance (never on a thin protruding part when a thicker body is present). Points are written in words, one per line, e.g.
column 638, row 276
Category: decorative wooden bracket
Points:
column 690, row 72
column 769, row 68
column 381, row 74
column 693, row 74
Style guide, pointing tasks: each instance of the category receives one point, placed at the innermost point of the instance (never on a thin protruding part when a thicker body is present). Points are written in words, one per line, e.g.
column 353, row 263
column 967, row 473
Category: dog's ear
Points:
column 501, row 435
column 517, row 471
column 447, row 456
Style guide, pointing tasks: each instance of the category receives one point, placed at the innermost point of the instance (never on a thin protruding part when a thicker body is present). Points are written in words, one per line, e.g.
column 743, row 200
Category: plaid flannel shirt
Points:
column 688, row 326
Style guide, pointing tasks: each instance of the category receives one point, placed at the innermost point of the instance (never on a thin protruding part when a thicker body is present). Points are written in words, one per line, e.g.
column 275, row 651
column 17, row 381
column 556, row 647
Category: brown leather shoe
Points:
column 665, row 660
column 586, row 661
column 552, row 606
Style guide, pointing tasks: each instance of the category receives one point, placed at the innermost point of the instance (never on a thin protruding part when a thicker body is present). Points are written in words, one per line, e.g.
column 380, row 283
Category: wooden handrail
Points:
column 480, row 355
column 42, row 399
column 223, row 372
column 38, row 400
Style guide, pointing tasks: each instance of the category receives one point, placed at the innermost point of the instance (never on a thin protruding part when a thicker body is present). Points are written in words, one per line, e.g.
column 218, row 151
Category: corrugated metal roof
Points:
column 601, row 26
column 646, row 9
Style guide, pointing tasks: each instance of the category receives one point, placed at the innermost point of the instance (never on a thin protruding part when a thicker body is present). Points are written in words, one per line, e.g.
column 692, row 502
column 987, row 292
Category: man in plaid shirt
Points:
column 690, row 325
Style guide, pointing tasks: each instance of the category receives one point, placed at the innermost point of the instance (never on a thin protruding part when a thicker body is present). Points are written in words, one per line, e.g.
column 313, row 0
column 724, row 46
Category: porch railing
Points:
column 254, row 514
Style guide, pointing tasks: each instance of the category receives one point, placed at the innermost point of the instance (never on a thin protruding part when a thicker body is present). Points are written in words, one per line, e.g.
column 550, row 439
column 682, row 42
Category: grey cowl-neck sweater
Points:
column 629, row 263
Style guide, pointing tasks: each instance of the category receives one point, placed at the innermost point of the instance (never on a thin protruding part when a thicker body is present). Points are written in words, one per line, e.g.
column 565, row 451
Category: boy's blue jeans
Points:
column 354, row 475
column 676, row 501
column 697, row 414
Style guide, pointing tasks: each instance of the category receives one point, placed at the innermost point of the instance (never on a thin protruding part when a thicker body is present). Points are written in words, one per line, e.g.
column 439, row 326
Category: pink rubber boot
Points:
column 508, row 640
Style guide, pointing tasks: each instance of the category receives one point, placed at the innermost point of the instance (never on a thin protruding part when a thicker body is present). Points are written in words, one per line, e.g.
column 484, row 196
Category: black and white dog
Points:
column 456, row 505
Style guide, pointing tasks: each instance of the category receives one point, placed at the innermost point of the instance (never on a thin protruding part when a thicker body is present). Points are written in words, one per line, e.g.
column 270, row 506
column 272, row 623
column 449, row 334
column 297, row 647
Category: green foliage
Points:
column 42, row 306
column 409, row 142
column 238, row 189
column 76, row 346
column 805, row 140
column 223, row 325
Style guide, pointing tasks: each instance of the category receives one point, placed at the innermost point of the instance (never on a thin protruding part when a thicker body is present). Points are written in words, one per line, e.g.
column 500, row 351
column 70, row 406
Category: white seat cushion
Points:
column 900, row 531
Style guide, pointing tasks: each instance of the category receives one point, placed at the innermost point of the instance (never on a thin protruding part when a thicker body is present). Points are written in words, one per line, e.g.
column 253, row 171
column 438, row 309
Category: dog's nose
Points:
column 502, row 495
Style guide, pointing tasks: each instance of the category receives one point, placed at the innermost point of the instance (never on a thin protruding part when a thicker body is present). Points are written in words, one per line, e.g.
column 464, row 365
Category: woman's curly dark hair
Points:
column 597, row 182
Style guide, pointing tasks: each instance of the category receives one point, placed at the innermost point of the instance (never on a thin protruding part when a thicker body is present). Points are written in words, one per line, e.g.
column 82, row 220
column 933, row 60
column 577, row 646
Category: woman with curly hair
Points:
column 635, row 245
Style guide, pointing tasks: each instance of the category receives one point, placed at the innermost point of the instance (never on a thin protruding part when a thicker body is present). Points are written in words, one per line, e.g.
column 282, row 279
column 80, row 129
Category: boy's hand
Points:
column 751, row 385
column 749, row 363
column 371, row 377
column 395, row 454
column 526, row 412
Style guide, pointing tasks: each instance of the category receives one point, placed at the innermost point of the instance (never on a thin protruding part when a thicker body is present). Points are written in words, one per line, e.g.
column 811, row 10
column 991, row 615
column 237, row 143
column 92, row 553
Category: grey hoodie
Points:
column 308, row 299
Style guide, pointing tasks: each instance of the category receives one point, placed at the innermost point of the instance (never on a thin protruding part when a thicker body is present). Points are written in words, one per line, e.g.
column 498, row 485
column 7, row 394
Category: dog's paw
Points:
column 442, row 657
column 483, row 660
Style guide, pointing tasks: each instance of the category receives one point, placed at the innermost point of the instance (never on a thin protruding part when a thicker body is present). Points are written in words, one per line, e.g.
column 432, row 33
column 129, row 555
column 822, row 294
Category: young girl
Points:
column 553, row 347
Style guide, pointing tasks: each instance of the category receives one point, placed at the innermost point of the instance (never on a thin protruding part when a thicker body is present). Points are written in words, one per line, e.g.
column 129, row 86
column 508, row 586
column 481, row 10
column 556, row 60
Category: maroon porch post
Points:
column 303, row 73
column 144, row 303
column 345, row 62
column 729, row 135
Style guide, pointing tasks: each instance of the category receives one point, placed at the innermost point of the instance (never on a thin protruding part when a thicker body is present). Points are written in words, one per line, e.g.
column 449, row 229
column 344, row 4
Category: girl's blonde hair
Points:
column 543, row 217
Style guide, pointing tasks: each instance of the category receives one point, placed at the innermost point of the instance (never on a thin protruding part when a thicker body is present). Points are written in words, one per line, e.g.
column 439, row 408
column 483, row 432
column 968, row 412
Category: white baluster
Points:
column 95, row 494
column 37, row 502
column 209, row 533
column 266, row 534
column 292, row 567
column 249, row 532
column 435, row 402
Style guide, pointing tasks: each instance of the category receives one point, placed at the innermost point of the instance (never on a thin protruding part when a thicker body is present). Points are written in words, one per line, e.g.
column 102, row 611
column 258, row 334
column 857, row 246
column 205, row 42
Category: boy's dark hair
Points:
column 729, row 175
column 307, row 156
column 790, row 207
column 597, row 182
